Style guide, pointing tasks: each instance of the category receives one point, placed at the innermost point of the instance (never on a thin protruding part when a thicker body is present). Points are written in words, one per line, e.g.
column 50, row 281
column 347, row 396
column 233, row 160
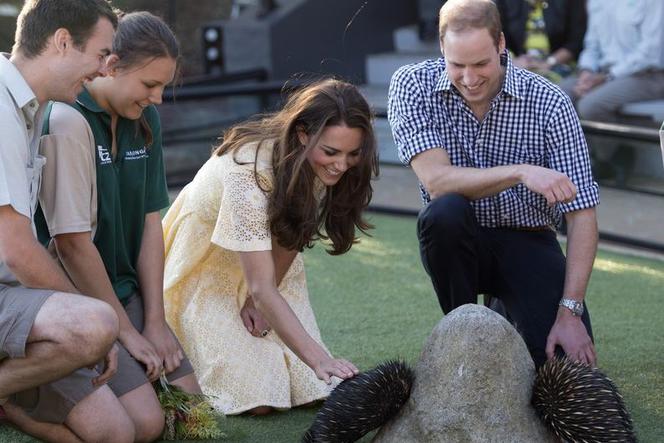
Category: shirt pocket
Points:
column 531, row 155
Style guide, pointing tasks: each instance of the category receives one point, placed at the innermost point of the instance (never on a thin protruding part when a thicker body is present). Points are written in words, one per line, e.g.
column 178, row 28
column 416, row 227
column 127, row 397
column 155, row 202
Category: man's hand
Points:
column 110, row 367
column 570, row 333
column 555, row 186
column 587, row 81
column 165, row 345
column 252, row 319
column 143, row 351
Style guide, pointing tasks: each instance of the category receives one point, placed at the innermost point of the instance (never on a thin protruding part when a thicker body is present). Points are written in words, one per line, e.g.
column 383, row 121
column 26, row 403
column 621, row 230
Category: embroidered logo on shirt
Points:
column 136, row 154
column 104, row 155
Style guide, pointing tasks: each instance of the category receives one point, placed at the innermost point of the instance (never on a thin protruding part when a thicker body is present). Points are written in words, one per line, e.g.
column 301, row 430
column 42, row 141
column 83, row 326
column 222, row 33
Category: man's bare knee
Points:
column 142, row 405
column 84, row 327
column 100, row 417
column 149, row 426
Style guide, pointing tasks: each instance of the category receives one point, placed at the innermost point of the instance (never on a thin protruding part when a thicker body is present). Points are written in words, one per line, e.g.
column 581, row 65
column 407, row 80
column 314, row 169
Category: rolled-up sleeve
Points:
column 413, row 128
column 568, row 153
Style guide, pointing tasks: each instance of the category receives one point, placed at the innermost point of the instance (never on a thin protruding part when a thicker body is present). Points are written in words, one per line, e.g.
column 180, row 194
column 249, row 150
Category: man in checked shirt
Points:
column 501, row 158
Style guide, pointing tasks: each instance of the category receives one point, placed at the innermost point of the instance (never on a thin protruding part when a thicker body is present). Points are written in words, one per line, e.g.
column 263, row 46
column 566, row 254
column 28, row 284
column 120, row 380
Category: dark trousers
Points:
column 524, row 269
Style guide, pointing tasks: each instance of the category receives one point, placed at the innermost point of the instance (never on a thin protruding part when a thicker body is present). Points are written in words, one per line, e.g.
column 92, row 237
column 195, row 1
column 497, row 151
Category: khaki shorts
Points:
column 131, row 373
column 51, row 402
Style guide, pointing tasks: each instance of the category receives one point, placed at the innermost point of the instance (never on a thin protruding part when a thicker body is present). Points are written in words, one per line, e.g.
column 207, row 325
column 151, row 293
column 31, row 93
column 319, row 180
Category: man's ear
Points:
column 111, row 63
column 62, row 40
column 501, row 43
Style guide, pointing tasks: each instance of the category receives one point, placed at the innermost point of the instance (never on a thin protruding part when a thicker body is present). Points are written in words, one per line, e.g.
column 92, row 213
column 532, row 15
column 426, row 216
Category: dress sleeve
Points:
column 68, row 195
column 243, row 223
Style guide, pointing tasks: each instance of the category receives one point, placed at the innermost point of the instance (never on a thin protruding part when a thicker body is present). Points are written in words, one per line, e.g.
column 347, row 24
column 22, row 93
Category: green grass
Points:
column 376, row 303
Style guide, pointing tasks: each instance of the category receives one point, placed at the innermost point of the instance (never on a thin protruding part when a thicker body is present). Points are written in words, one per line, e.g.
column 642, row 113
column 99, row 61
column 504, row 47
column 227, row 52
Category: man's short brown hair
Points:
column 459, row 15
column 39, row 19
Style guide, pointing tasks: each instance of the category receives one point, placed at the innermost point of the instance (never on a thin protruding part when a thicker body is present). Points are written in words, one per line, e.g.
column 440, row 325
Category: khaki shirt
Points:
column 20, row 164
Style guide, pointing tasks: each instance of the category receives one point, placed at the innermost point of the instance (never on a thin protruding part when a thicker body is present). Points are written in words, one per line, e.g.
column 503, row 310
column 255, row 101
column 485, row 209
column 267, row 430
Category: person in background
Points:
column 544, row 36
column 622, row 62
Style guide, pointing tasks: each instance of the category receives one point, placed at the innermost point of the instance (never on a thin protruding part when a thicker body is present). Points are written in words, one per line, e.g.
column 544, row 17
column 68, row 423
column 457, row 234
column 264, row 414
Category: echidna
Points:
column 361, row 404
column 580, row 404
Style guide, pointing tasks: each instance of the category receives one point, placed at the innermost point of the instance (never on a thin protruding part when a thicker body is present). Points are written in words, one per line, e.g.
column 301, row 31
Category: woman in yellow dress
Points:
column 235, row 290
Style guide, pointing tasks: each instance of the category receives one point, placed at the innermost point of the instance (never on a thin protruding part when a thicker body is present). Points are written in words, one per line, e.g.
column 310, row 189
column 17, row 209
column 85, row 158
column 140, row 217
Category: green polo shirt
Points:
column 129, row 186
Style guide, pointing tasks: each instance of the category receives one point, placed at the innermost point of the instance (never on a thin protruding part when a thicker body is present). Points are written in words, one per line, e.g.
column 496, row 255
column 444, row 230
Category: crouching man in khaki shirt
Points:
column 48, row 334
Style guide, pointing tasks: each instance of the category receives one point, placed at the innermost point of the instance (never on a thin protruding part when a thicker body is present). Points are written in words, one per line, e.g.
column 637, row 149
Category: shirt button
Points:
column 32, row 105
column 29, row 126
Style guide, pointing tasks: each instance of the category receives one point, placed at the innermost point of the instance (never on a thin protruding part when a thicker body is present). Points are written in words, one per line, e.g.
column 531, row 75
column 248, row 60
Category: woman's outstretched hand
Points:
column 337, row 367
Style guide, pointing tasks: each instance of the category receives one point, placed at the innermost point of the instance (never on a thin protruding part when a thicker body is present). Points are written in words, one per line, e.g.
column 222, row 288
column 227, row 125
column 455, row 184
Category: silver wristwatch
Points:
column 575, row 306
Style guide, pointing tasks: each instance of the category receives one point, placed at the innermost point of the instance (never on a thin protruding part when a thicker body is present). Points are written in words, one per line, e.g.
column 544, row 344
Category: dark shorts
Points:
column 51, row 402
column 131, row 373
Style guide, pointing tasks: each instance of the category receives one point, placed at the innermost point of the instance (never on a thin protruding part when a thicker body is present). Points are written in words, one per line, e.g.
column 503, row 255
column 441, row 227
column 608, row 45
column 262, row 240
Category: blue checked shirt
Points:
column 529, row 121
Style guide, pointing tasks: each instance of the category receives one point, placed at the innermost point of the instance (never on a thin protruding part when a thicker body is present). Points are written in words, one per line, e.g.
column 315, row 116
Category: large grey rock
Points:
column 472, row 384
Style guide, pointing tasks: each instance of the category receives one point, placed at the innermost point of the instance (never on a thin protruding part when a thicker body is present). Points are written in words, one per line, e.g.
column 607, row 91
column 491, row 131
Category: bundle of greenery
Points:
column 362, row 403
column 580, row 404
column 188, row 416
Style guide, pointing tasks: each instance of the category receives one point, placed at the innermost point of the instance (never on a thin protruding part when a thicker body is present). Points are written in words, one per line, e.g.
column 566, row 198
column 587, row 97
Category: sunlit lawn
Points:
column 376, row 303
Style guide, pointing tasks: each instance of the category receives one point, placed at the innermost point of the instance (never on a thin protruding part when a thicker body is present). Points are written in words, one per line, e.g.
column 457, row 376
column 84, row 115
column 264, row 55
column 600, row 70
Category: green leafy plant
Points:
column 188, row 416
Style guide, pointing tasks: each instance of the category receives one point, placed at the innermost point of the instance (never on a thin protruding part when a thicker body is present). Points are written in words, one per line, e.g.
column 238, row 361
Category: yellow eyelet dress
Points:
column 221, row 212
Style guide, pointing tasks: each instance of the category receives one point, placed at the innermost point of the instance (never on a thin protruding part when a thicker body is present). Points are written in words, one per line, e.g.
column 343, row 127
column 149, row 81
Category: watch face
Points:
column 572, row 305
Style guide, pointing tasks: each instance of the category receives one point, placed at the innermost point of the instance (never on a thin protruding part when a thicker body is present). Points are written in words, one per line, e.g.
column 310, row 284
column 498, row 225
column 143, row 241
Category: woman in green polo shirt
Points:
column 102, row 191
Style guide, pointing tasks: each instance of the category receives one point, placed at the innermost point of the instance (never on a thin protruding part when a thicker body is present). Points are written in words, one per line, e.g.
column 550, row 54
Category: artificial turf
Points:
column 376, row 303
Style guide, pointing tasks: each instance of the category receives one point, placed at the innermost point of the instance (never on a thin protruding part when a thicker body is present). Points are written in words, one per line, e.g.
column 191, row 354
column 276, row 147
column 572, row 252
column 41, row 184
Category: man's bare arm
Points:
column 435, row 171
column 26, row 258
column 568, row 331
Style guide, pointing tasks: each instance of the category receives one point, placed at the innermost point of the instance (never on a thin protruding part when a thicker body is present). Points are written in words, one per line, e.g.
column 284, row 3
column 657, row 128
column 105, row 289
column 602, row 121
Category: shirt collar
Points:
column 510, row 83
column 85, row 99
column 15, row 83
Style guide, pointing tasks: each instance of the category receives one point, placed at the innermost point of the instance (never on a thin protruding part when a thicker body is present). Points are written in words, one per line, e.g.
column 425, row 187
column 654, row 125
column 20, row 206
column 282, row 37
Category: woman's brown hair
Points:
column 140, row 38
column 297, row 218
